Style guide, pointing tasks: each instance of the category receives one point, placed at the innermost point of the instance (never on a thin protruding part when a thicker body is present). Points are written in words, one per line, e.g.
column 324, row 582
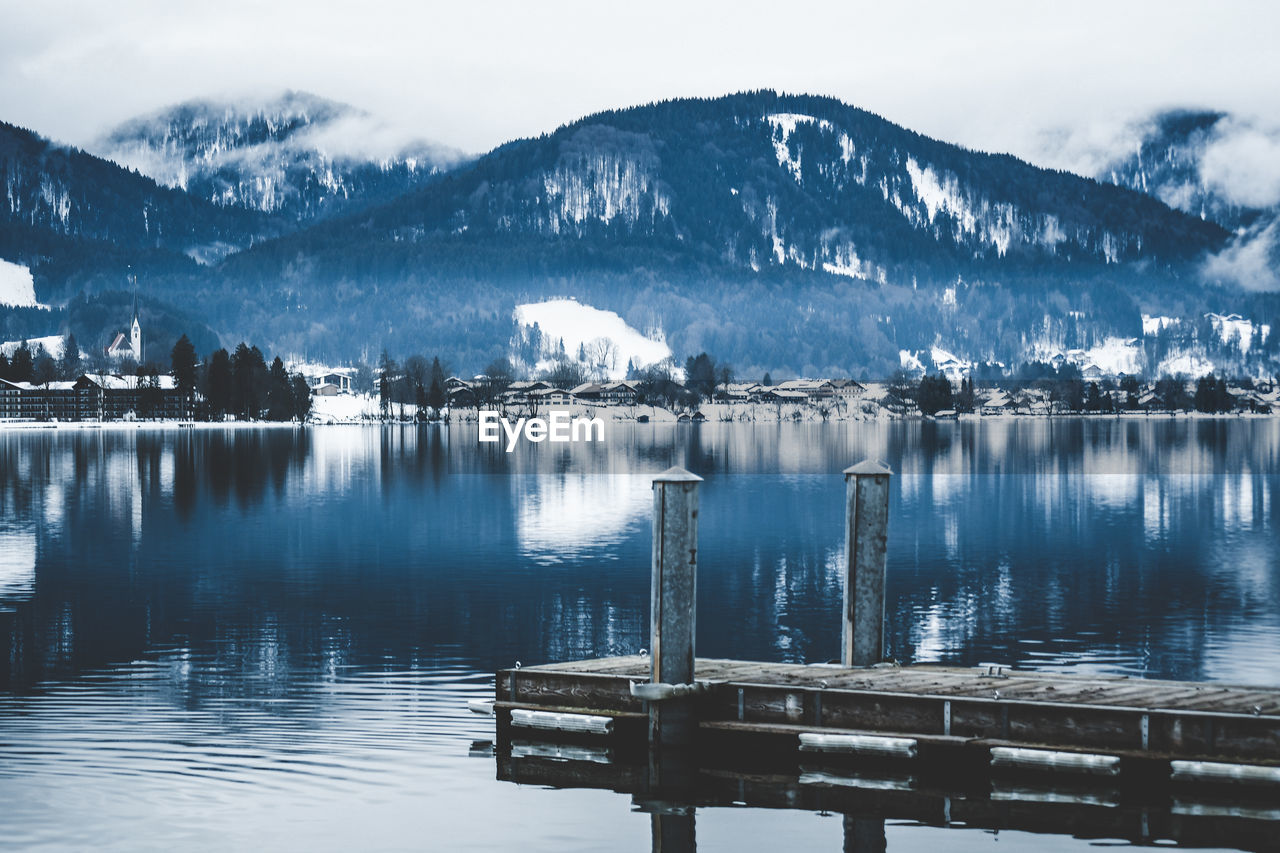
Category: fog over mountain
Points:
column 295, row 154
column 786, row 232
column 1222, row 167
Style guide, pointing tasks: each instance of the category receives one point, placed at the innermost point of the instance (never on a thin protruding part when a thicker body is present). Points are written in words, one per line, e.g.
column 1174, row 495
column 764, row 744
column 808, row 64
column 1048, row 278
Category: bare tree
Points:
column 603, row 356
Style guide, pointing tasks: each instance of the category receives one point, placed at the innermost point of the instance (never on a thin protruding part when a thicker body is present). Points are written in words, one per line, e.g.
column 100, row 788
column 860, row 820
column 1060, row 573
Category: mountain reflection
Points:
column 250, row 561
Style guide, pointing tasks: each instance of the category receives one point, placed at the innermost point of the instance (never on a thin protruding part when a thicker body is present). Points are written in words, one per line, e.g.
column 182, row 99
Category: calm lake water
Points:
column 246, row 639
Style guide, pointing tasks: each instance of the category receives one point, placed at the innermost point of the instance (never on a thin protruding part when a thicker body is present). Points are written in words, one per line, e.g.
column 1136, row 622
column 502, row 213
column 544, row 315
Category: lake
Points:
column 249, row 638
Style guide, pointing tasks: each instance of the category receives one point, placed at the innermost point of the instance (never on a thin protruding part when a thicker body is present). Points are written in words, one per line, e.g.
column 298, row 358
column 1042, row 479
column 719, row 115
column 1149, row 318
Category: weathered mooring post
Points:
column 865, row 545
column 674, row 831
column 864, row 834
column 673, row 596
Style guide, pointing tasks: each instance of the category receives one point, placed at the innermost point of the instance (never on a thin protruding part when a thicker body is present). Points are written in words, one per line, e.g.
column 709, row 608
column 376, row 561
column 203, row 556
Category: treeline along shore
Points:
column 240, row 385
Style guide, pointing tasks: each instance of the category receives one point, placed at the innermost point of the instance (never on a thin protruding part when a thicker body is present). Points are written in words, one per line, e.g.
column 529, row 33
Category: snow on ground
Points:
column 941, row 194
column 350, row 408
column 948, row 363
column 1236, row 329
column 1151, row 325
column 580, row 325
column 312, row 369
column 51, row 343
column 1114, row 356
column 784, row 124
column 17, row 287
column 1186, row 364
column 944, row 360
column 355, row 408
column 909, row 360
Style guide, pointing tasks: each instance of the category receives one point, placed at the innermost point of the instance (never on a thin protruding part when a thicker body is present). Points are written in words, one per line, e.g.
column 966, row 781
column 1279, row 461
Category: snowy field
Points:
column 355, row 408
column 580, row 325
column 52, row 344
column 17, row 287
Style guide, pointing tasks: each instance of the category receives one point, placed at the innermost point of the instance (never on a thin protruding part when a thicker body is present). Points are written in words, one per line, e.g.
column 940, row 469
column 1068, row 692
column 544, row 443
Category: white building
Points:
column 122, row 348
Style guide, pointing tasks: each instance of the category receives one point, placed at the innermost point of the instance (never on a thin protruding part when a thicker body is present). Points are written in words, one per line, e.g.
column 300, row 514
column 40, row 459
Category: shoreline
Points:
column 468, row 418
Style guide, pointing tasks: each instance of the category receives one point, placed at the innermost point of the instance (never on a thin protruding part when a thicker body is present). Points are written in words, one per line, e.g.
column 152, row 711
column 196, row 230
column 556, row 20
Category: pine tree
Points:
column 70, row 365
column 280, row 401
column 1223, row 400
column 182, row 360
column 934, row 394
column 22, row 365
column 967, row 398
column 219, row 384
column 45, row 369
column 435, row 394
column 386, row 371
column 249, row 371
column 1206, row 399
column 700, row 375
column 301, row 397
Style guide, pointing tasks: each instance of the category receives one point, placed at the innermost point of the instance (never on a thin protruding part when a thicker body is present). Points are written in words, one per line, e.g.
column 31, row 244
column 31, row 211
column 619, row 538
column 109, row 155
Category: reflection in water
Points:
column 561, row 518
column 17, row 565
column 1144, row 547
column 302, row 608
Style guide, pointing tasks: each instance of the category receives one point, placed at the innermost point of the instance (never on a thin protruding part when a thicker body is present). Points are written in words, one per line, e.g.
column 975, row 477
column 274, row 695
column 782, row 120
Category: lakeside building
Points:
column 96, row 397
column 329, row 383
column 620, row 393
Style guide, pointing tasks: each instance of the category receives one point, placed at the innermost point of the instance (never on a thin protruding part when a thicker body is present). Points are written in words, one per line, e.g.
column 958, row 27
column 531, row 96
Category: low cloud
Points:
column 358, row 135
column 1238, row 158
column 1251, row 261
column 338, row 132
column 1091, row 148
column 1241, row 162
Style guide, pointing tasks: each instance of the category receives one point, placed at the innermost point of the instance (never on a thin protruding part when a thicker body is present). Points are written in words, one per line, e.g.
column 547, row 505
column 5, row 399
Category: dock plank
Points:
column 944, row 682
column 1188, row 719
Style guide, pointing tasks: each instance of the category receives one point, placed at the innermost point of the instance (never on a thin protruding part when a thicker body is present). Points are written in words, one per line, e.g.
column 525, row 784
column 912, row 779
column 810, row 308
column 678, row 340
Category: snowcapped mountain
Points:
column 761, row 180
column 770, row 229
column 297, row 154
column 55, row 195
column 777, row 232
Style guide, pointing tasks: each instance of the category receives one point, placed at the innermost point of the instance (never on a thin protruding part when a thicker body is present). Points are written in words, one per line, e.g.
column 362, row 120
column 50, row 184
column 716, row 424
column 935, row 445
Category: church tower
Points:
column 135, row 333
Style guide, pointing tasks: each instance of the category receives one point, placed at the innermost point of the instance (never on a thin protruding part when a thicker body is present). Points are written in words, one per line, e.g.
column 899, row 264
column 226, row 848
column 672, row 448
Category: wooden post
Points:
column 866, row 537
column 864, row 834
column 673, row 595
column 674, row 832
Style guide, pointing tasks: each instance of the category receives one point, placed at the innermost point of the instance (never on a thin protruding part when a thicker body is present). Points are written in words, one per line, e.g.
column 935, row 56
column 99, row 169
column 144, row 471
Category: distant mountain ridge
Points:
column 760, row 179
column 728, row 221
column 786, row 232
column 66, row 192
column 296, row 155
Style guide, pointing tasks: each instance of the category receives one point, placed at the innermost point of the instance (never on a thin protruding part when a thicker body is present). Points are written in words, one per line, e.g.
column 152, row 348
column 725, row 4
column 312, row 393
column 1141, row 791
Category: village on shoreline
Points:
column 50, row 382
column 100, row 399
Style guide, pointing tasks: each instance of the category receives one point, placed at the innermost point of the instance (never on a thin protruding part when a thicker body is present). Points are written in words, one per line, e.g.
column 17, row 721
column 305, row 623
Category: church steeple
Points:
column 135, row 330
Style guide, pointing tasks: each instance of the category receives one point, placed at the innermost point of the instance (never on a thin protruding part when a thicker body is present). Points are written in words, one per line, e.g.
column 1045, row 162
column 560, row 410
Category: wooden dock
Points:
column 953, row 715
column 1043, row 751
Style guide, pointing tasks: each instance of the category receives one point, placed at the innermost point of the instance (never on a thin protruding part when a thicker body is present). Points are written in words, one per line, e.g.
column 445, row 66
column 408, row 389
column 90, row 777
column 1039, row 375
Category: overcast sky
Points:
column 991, row 75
